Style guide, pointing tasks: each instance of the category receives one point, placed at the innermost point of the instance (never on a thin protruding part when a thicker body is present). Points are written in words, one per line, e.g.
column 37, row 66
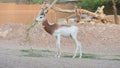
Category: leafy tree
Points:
column 93, row 4
column 37, row 1
column 40, row 1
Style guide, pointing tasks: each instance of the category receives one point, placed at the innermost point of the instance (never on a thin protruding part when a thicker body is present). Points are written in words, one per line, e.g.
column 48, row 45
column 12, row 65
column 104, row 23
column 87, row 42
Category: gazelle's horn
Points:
column 50, row 6
column 46, row 6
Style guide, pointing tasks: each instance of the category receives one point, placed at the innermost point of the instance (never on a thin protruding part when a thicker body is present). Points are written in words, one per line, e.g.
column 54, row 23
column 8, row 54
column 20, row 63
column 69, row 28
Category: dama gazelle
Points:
column 58, row 31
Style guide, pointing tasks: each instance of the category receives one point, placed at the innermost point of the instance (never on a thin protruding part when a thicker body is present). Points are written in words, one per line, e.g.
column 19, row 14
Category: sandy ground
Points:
column 99, row 39
column 10, row 57
column 26, row 62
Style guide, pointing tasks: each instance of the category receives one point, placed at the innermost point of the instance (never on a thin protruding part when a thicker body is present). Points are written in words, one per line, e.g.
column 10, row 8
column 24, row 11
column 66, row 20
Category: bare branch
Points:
column 46, row 6
column 73, row 11
column 100, row 16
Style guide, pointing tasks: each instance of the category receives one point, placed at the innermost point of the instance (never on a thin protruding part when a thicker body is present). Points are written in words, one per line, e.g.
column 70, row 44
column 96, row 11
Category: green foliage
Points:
column 31, row 53
column 37, row 1
column 40, row 1
column 93, row 4
column 89, row 56
column 35, row 53
column 88, row 4
column 47, row 53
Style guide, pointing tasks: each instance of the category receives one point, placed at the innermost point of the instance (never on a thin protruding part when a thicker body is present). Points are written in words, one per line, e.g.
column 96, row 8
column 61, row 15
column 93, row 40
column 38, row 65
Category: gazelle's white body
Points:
column 66, row 31
column 61, row 30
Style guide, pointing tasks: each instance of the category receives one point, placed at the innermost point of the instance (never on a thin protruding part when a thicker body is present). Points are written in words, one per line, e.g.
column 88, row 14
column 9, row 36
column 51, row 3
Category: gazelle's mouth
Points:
column 36, row 20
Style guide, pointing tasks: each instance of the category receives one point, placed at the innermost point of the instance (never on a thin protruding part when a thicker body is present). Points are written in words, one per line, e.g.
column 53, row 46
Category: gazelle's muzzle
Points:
column 36, row 20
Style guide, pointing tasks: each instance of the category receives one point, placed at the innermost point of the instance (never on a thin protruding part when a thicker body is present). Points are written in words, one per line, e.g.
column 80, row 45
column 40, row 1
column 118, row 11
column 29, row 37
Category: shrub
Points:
column 93, row 4
column 37, row 1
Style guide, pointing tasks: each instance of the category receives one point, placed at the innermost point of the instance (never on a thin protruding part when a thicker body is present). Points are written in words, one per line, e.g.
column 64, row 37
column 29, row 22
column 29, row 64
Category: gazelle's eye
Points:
column 40, row 17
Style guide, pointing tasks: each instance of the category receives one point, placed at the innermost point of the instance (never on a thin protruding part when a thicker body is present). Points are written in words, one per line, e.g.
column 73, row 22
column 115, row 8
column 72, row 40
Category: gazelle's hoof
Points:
column 73, row 57
column 57, row 56
column 80, row 57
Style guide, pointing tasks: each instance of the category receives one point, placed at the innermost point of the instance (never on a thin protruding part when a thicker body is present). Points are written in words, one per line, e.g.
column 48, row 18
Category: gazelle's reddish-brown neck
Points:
column 49, row 28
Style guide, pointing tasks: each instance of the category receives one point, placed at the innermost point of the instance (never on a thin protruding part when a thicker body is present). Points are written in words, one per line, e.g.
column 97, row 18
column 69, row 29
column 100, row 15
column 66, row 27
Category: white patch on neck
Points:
column 51, row 23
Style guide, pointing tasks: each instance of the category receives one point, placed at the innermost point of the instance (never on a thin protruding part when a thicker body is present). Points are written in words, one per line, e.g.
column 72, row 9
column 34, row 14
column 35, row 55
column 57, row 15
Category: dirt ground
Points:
column 101, row 41
column 98, row 39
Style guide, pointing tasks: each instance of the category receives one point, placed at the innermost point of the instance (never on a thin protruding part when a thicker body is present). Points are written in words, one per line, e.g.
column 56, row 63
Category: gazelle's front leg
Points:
column 58, row 46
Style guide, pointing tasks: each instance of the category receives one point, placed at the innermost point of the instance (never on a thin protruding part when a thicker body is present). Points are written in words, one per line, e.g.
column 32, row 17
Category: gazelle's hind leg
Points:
column 78, row 45
column 58, row 46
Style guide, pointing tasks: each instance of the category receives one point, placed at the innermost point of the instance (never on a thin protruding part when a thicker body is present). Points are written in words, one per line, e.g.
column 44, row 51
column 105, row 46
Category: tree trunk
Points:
column 115, row 12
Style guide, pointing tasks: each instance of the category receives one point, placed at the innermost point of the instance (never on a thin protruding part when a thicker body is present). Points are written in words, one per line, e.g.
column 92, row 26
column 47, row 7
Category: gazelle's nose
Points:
column 36, row 20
